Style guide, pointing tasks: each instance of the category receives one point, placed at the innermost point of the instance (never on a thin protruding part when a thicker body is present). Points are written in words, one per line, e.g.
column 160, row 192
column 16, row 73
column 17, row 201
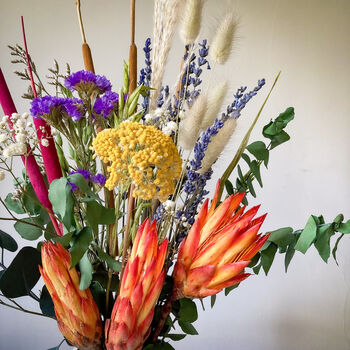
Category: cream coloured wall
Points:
column 308, row 308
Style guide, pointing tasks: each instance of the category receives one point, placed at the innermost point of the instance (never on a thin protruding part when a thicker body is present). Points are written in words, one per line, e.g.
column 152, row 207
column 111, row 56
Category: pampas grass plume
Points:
column 217, row 145
column 191, row 21
column 215, row 98
column 221, row 46
column 190, row 125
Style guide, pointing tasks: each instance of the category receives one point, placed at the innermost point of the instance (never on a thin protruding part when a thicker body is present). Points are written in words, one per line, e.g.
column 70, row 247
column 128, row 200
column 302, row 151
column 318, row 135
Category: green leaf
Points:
column 28, row 231
column 85, row 272
column 254, row 260
column 112, row 263
column 212, row 300
column 79, row 244
column 7, row 242
column 279, row 139
column 250, row 187
column 13, row 205
column 267, row 257
column 246, row 158
column 275, row 127
column 81, row 182
column 188, row 310
column 98, row 214
column 228, row 290
column 282, row 237
column 334, row 251
column 46, row 303
column 22, row 274
column 159, row 346
column 240, row 174
column 30, row 200
column 322, row 243
column 258, row 150
column 102, row 278
column 229, row 187
column 187, row 328
column 344, row 227
column 338, row 219
column 175, row 337
column 255, row 169
column 307, row 236
column 290, row 253
column 60, row 195
column 65, row 239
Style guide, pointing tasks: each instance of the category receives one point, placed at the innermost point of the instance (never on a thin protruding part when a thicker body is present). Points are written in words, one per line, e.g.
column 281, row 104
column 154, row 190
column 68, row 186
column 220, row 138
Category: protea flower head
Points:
column 77, row 314
column 219, row 245
column 140, row 288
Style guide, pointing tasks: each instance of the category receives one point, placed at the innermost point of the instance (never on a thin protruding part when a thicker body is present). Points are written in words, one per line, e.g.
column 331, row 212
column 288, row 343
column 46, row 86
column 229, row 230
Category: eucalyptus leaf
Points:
column 46, row 303
column 85, row 272
column 344, row 227
column 7, row 242
column 22, row 274
column 322, row 243
column 187, row 328
column 79, row 244
column 112, row 263
column 188, row 310
column 60, row 195
column 282, row 237
column 255, row 169
column 307, row 236
column 14, row 205
column 27, row 230
column 175, row 337
column 267, row 257
column 212, row 300
column 258, row 150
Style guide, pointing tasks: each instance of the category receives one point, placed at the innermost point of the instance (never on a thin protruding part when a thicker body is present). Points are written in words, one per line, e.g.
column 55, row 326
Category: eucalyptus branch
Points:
column 24, row 310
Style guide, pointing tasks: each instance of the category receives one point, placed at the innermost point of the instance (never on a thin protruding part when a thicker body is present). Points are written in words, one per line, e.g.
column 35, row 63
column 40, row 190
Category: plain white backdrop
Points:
column 307, row 308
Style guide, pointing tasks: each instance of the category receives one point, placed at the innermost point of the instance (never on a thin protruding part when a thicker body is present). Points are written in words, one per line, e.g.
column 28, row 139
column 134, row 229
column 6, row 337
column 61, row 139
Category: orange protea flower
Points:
column 140, row 288
column 218, row 247
column 76, row 311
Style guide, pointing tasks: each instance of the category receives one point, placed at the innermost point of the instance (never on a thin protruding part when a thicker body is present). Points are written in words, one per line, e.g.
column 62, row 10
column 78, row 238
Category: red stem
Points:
column 29, row 161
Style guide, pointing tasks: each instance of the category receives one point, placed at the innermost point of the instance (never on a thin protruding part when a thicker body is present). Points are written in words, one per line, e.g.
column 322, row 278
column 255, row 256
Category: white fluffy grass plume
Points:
column 190, row 125
column 215, row 99
column 217, row 144
column 221, row 46
column 191, row 22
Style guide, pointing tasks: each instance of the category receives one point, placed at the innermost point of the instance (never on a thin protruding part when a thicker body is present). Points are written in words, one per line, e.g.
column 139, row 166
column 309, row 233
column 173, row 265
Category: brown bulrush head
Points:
column 77, row 314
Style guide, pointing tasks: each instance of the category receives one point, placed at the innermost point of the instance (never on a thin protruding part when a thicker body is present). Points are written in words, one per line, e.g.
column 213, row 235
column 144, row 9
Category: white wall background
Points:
column 308, row 40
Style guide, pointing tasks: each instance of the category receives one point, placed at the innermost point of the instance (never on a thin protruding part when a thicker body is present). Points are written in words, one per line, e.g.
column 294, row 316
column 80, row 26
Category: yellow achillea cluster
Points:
column 142, row 155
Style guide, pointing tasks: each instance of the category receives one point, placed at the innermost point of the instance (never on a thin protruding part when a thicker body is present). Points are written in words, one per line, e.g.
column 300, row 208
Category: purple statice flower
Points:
column 98, row 179
column 106, row 104
column 75, row 108
column 85, row 80
column 49, row 104
column 44, row 105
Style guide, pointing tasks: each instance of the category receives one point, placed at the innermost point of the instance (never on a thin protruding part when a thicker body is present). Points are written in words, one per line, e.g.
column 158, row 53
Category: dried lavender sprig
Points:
column 145, row 74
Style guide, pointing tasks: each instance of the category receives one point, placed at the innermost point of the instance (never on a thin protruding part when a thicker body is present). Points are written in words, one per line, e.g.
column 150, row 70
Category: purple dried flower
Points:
column 84, row 80
column 49, row 104
column 83, row 172
column 98, row 179
column 107, row 103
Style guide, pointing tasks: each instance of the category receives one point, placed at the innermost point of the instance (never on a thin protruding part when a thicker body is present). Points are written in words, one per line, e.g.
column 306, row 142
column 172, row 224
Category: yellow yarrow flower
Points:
column 142, row 155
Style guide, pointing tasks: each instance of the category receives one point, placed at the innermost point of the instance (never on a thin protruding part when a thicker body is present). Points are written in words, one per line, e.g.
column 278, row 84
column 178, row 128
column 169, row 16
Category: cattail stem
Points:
column 87, row 57
column 132, row 87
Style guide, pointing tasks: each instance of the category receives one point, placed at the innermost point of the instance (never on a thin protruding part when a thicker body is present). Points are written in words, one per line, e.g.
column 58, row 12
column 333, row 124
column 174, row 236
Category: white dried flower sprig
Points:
column 216, row 97
column 222, row 43
column 217, row 144
column 15, row 142
column 190, row 126
column 191, row 22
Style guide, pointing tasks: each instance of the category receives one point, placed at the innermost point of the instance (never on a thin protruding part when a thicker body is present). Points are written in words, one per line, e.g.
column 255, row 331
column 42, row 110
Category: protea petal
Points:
column 141, row 285
column 219, row 246
column 77, row 314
